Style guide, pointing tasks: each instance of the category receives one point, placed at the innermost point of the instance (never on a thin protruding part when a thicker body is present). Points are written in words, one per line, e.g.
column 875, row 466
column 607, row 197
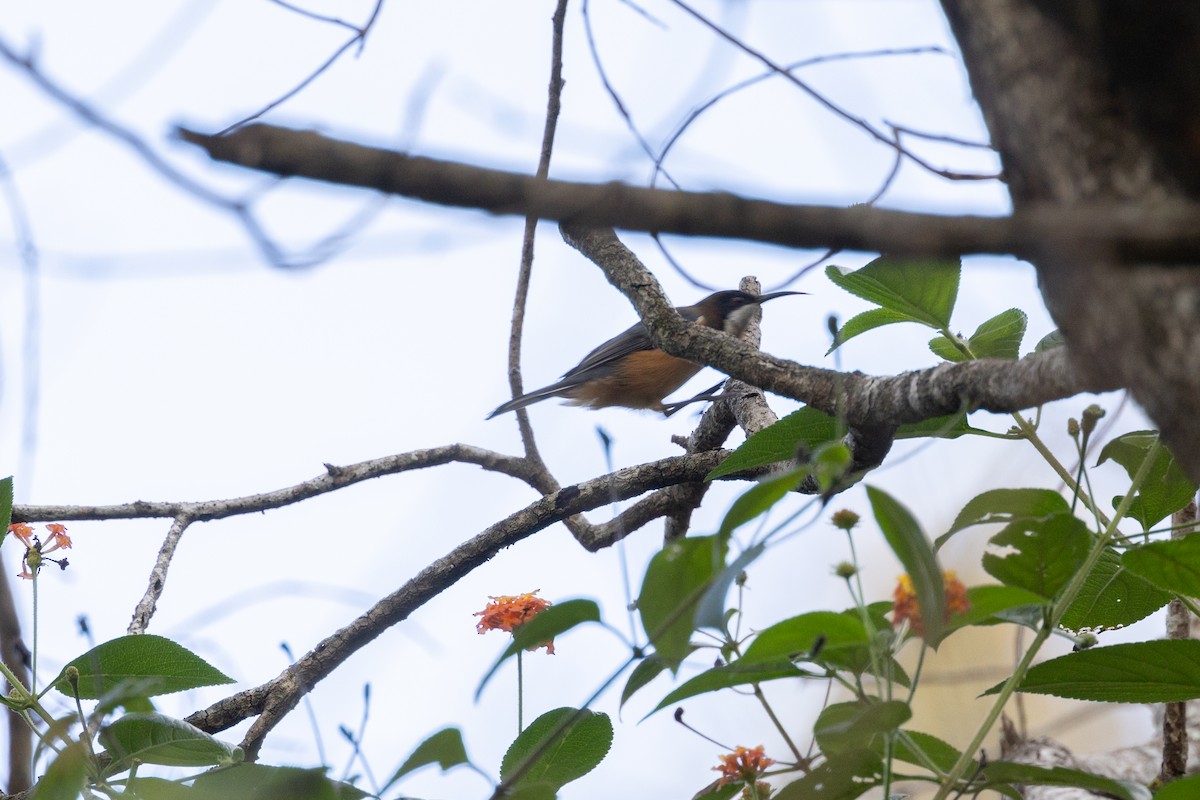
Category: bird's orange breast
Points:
column 639, row 380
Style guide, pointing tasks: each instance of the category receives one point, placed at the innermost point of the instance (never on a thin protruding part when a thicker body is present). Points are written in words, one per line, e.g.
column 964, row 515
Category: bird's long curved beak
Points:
column 762, row 298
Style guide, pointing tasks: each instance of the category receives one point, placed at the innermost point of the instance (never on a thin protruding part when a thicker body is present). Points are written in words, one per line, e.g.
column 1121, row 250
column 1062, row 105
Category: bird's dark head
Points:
column 732, row 309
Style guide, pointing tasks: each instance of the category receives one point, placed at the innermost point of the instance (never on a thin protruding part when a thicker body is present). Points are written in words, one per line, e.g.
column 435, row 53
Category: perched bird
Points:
column 628, row 370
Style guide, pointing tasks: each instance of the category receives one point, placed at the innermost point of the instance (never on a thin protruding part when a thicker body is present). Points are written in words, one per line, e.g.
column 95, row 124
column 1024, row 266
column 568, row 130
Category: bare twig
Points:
column 158, row 576
column 553, row 107
column 1163, row 233
column 274, row 699
column 359, row 37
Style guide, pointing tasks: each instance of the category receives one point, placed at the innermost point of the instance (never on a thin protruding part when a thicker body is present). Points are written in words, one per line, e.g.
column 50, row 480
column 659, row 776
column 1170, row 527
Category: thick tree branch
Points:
column 1167, row 233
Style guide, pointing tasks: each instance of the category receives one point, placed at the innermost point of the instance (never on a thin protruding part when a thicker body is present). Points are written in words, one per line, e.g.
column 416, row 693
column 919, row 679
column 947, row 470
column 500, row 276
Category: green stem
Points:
column 801, row 761
column 520, row 693
column 33, row 668
column 1053, row 618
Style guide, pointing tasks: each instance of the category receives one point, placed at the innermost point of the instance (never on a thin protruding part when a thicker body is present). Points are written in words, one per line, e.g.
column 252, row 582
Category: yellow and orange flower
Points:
column 35, row 550
column 744, row 764
column 906, row 607
column 509, row 612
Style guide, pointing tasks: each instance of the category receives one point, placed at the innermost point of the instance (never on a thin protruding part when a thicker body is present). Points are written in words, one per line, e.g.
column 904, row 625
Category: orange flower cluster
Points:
column 509, row 612
column 906, row 607
column 744, row 764
column 35, row 550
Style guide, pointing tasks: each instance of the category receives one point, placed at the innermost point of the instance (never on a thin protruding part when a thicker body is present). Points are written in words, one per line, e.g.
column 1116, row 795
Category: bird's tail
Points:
column 554, row 390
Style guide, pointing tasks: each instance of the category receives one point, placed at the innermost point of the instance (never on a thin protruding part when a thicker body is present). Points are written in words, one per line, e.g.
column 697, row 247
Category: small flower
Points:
column 744, row 764
column 844, row 519
column 35, row 551
column 845, row 570
column 906, row 607
column 509, row 612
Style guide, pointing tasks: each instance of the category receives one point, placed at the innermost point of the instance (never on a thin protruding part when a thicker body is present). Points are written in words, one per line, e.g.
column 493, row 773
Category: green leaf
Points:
column 675, row 582
column 160, row 789
column 553, row 621
column 1000, row 336
column 647, row 670
column 6, row 506
column 1165, row 489
column 710, row 611
column 1113, row 597
column 998, row 773
column 736, row 674
column 866, row 321
column 159, row 739
column 759, row 499
column 1173, row 566
column 950, row 426
column 908, row 542
column 1050, row 341
column 565, row 744
column 1183, row 789
column 922, row 291
column 987, row 602
column 715, row 792
column 780, row 442
column 845, row 776
column 444, row 748
column 1163, row 671
column 833, row 640
column 1046, row 553
column 139, row 666
column 258, row 781
column 946, row 348
column 851, row 726
column 1006, row 505
column 942, row 755
column 66, row 775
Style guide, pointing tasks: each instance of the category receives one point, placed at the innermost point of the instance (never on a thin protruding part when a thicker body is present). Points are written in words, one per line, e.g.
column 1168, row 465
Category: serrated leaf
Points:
column 1012, row 773
column 444, row 748
column 674, row 584
column 827, row 638
column 854, row 725
column 1045, row 553
column 258, row 781
column 553, row 621
column 1173, row 566
column 716, row 791
column 867, row 321
column 780, row 442
column 908, row 542
column 1007, row 505
column 946, row 348
column 845, row 776
column 1163, row 671
column 728, row 676
column 950, row 426
column 1165, row 488
column 160, row 789
column 1112, row 597
column 564, row 744
column 66, row 775
column 159, row 739
column 1000, row 336
column 139, row 666
column 922, row 290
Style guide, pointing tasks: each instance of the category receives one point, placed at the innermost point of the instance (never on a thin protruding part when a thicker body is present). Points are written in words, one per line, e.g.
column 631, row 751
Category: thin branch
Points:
column 1163, row 233
column 359, row 37
column 824, row 101
column 274, row 699
column 525, row 272
column 158, row 576
column 333, row 479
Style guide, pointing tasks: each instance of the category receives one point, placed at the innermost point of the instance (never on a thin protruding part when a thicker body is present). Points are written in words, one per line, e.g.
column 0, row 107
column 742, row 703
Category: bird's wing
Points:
column 631, row 340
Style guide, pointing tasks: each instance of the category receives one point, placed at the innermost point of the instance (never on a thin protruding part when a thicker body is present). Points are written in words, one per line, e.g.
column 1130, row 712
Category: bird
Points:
column 629, row 371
